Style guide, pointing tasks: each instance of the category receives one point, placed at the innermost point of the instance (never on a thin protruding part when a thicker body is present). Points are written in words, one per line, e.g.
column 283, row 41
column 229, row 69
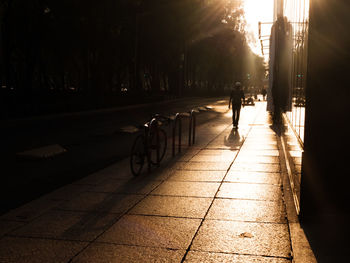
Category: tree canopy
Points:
column 99, row 51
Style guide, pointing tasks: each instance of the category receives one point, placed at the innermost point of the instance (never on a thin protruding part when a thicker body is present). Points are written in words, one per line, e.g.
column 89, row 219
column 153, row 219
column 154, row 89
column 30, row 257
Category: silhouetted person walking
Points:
column 236, row 98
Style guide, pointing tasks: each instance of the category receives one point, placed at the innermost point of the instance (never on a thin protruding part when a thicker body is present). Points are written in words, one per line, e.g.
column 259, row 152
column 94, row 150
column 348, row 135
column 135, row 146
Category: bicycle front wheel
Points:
column 161, row 145
column 137, row 156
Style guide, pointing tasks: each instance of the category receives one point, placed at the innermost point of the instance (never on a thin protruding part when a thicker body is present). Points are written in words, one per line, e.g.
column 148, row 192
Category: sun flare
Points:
column 257, row 11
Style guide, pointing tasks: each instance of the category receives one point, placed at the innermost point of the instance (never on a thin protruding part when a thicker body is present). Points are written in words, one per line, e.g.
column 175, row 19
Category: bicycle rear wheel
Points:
column 137, row 156
column 153, row 146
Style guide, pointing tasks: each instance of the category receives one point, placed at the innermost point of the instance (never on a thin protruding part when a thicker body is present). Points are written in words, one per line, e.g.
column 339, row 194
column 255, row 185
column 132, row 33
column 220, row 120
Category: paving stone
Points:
column 111, row 253
column 256, row 140
column 31, row 210
column 197, row 176
column 8, row 226
column 134, row 186
column 166, row 232
column 173, row 206
column 262, row 152
column 198, row 189
column 212, row 158
column 203, row 166
column 35, row 250
column 257, row 159
column 92, row 179
column 259, row 146
column 263, row 192
column 68, row 192
column 226, row 143
column 243, row 238
column 211, row 257
column 248, row 210
column 256, row 167
column 218, row 152
column 68, row 225
column 101, row 202
column 253, row 177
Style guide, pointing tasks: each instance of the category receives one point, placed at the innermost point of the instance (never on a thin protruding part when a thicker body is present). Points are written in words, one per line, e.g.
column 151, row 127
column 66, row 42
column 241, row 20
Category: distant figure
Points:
column 236, row 97
column 264, row 92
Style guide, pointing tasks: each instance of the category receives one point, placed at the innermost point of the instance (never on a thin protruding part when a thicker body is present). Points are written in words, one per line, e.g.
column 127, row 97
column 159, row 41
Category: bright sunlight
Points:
column 258, row 11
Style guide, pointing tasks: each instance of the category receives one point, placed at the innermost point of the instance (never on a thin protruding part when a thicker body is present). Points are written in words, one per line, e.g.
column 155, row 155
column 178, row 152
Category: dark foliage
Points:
column 71, row 55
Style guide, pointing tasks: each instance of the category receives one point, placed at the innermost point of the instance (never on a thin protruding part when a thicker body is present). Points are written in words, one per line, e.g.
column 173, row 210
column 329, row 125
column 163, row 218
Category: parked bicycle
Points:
column 151, row 145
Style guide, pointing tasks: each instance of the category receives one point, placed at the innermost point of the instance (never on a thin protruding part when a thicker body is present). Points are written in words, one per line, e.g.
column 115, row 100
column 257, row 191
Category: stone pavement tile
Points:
column 8, row 226
column 256, row 167
column 261, row 140
column 265, row 192
column 68, row 225
column 213, row 151
column 193, row 207
column 257, row 159
column 92, row 179
column 140, row 185
column 225, row 143
column 262, row 130
column 212, row 158
column 111, row 253
column 101, row 202
column 216, row 126
column 262, row 133
column 203, row 166
column 253, row 177
column 197, row 189
column 165, row 232
column 35, row 250
column 197, row 176
column 31, row 210
column 186, row 156
column 252, row 152
column 259, row 146
column 118, row 170
column 248, row 210
column 211, row 257
column 67, row 192
column 243, row 238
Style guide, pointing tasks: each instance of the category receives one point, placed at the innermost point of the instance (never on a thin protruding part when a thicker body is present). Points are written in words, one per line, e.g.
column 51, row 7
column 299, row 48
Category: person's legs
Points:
column 236, row 110
column 233, row 115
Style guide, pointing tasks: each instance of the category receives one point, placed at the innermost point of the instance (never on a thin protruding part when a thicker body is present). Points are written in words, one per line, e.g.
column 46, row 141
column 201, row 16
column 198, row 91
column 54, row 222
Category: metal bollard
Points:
column 153, row 126
column 177, row 121
column 192, row 128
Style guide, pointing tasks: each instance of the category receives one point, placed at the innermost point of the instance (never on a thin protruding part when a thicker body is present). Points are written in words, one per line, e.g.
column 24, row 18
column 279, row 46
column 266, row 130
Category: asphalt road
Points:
column 93, row 140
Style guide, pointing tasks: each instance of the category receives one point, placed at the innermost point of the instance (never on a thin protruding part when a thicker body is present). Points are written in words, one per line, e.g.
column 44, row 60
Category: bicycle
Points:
column 150, row 145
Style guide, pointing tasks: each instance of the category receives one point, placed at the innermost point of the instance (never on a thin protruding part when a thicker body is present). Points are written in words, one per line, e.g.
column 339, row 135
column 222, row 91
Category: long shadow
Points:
column 234, row 140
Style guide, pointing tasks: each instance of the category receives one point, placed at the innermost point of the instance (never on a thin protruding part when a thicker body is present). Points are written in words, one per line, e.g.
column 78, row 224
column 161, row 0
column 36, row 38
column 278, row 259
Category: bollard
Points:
column 153, row 126
column 177, row 121
column 192, row 128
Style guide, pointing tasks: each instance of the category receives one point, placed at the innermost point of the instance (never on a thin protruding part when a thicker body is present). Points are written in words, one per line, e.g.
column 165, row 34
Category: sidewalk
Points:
column 221, row 200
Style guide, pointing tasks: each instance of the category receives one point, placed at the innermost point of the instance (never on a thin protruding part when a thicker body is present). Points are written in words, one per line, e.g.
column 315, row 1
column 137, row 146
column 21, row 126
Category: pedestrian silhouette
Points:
column 236, row 99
